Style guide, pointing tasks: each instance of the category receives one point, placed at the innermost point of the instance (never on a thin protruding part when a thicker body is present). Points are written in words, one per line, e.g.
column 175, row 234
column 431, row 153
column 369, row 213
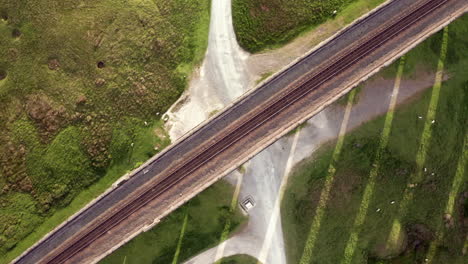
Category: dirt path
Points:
column 226, row 73
column 264, row 173
column 221, row 79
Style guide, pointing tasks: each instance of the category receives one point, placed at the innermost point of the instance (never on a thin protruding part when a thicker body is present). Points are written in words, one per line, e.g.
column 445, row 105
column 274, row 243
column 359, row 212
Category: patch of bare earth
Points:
column 48, row 118
column 53, row 64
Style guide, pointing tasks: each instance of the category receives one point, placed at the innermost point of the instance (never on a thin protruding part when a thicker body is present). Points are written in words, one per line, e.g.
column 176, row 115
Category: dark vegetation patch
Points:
column 239, row 259
column 70, row 118
column 419, row 237
column 266, row 23
column 3, row 14
column 101, row 64
column 426, row 217
column 53, row 64
column 207, row 214
column 16, row 33
column 48, row 119
column 3, row 74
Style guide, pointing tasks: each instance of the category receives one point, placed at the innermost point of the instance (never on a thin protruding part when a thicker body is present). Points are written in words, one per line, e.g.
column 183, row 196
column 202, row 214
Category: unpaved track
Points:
column 265, row 172
column 223, row 163
column 221, row 79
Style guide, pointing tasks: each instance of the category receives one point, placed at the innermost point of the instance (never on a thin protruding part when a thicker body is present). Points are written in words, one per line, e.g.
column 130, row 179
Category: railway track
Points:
column 292, row 96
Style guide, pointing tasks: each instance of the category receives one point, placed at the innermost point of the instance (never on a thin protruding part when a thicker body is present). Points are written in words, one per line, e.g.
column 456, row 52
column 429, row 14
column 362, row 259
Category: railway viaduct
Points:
column 241, row 130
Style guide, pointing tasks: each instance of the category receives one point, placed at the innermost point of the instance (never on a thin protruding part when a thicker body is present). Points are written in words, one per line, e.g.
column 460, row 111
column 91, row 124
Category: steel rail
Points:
column 244, row 129
column 372, row 14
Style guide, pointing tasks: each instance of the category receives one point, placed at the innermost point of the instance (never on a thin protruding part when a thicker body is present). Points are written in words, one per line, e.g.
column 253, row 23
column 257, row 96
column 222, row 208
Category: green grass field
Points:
column 266, row 24
column 82, row 88
column 238, row 259
column 204, row 218
column 418, row 217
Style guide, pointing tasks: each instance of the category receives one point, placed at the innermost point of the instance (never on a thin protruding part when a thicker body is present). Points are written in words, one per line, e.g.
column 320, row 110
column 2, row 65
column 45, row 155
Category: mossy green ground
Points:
column 396, row 164
column 207, row 215
column 239, row 259
column 82, row 88
column 267, row 24
column 263, row 77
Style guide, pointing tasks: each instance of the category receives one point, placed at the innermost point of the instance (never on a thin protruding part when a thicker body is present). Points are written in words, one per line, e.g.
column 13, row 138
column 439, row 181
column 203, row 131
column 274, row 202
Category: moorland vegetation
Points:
column 83, row 85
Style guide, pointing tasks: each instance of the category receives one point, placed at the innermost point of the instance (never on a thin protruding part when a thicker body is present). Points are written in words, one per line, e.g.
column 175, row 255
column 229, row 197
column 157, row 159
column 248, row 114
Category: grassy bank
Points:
column 267, row 24
column 143, row 138
column 189, row 230
column 415, row 177
column 82, row 88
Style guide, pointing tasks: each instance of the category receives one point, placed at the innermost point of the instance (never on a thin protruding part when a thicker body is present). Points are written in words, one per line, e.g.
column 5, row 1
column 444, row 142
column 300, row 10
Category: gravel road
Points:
column 221, row 79
column 226, row 73
column 264, row 176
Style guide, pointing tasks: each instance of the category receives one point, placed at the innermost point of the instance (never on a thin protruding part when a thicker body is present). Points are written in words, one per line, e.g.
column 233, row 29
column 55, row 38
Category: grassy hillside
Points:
column 265, row 24
column 82, row 88
column 189, row 230
column 407, row 217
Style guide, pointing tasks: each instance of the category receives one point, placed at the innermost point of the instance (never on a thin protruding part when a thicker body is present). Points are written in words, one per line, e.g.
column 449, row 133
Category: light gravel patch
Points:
column 264, row 173
column 226, row 73
column 221, row 79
